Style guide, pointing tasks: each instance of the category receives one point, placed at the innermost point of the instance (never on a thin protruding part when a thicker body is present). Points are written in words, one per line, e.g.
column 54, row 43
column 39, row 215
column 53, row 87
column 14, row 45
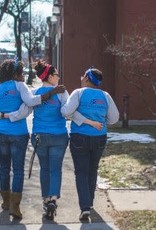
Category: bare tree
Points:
column 15, row 8
column 3, row 6
column 137, row 59
column 38, row 31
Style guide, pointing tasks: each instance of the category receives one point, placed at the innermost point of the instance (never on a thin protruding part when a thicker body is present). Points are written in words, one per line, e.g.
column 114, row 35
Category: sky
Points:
column 45, row 9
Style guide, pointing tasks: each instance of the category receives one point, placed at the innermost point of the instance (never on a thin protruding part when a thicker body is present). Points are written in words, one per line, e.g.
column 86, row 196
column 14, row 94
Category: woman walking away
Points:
column 87, row 143
column 50, row 127
column 14, row 135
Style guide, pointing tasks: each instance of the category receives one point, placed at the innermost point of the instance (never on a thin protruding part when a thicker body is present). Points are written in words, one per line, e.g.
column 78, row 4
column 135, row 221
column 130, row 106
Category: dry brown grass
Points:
column 135, row 220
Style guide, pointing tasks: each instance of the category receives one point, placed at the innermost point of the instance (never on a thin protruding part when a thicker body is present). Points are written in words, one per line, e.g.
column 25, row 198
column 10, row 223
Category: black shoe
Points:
column 50, row 209
column 84, row 216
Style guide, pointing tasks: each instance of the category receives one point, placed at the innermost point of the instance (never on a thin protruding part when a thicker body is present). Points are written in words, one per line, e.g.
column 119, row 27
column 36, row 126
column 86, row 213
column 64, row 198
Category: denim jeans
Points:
column 12, row 153
column 50, row 151
column 86, row 153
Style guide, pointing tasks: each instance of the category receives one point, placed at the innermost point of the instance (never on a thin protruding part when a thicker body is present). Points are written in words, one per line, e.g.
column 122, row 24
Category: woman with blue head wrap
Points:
column 88, row 139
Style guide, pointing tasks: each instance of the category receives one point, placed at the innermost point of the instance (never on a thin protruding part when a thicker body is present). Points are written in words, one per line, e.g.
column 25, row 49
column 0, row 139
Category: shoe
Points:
column 50, row 209
column 84, row 216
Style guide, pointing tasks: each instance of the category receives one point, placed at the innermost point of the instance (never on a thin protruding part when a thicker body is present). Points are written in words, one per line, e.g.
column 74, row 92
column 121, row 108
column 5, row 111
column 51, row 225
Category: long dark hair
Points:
column 10, row 69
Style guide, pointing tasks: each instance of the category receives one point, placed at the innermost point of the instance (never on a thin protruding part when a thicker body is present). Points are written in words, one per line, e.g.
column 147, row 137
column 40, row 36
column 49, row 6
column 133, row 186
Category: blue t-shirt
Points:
column 10, row 100
column 47, row 116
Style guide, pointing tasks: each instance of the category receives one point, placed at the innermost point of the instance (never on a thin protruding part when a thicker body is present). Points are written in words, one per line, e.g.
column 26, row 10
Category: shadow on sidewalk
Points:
column 55, row 226
column 95, row 227
column 95, row 217
column 96, row 222
column 7, row 220
column 4, row 217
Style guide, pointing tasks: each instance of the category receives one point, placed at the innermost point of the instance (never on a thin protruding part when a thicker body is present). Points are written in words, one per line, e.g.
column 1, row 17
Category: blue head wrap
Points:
column 92, row 78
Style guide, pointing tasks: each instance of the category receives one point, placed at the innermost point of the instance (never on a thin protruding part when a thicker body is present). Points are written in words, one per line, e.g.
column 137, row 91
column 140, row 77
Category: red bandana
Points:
column 45, row 72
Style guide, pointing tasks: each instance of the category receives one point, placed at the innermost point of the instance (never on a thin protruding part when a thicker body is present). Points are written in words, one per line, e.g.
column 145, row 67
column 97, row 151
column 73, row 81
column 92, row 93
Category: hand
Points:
column 59, row 89
column 6, row 115
column 97, row 125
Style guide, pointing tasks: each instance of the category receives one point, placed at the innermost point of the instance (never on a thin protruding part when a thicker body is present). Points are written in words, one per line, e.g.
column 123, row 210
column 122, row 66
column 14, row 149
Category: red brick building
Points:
column 79, row 43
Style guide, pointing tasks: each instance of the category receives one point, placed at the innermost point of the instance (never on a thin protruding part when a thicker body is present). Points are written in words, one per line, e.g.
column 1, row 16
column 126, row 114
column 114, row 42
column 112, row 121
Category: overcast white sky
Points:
column 45, row 9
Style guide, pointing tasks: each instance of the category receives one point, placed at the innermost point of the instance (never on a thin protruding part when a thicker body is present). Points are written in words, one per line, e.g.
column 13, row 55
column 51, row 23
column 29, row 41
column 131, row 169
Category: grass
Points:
column 138, row 220
column 129, row 164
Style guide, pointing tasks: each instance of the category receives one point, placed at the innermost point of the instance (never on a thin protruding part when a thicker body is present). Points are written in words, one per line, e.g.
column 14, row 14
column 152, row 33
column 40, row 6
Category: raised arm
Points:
column 31, row 100
column 25, row 110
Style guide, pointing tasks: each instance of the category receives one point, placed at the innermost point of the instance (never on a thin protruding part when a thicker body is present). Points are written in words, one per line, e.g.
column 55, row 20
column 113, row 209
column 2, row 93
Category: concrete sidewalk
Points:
column 133, row 200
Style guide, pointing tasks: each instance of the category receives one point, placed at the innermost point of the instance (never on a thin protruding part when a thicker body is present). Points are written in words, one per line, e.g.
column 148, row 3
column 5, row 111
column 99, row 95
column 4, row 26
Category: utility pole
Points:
column 49, row 22
column 125, row 119
column 29, row 81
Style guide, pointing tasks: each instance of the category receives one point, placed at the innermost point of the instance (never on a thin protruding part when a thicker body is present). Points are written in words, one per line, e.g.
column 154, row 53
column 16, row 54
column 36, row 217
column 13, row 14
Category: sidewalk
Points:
column 68, row 210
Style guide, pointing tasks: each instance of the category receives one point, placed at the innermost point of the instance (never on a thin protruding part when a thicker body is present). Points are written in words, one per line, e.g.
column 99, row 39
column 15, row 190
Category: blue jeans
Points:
column 50, row 151
column 12, row 152
column 86, row 153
